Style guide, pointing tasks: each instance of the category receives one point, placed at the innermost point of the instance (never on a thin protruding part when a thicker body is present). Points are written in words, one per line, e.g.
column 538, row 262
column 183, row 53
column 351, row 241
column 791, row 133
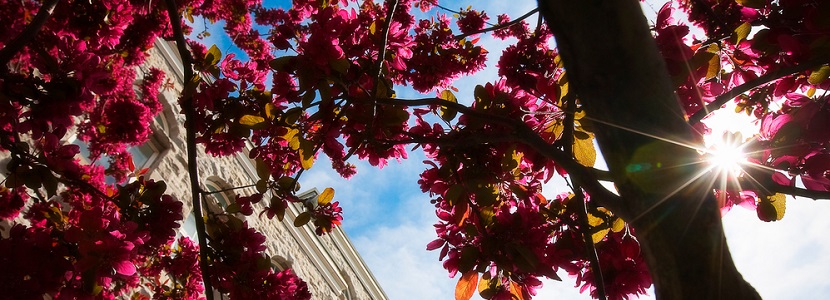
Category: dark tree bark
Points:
column 614, row 66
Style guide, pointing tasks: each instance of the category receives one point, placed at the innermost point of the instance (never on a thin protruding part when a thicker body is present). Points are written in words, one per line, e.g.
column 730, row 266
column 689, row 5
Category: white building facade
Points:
column 329, row 264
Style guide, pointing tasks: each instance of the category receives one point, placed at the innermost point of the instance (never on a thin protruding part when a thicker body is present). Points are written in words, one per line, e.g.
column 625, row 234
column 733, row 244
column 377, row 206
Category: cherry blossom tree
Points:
column 321, row 78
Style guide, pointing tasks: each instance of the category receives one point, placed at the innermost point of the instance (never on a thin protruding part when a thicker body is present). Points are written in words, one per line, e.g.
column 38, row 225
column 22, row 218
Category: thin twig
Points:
column 189, row 111
column 379, row 63
column 459, row 13
column 746, row 86
column 28, row 33
column 527, row 136
column 499, row 26
column 590, row 249
column 228, row 189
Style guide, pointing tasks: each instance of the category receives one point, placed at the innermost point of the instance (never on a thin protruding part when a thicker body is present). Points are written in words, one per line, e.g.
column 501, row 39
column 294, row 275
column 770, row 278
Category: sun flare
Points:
column 726, row 155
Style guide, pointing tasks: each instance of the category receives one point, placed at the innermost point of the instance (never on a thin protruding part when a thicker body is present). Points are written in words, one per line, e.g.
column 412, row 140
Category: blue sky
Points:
column 390, row 221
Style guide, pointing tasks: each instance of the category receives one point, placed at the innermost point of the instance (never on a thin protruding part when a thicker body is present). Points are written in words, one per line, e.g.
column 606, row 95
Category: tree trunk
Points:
column 614, row 66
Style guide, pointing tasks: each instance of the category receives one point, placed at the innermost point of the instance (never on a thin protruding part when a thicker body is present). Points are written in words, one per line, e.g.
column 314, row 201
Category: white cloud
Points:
column 787, row 259
column 390, row 221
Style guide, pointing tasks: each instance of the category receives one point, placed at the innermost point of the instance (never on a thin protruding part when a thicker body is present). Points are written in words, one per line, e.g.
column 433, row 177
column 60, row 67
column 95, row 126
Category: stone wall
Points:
column 329, row 264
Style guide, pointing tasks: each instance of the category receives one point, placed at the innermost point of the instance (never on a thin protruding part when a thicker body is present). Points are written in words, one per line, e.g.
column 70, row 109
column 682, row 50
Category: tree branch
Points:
column 393, row 5
column 763, row 179
column 797, row 191
column 499, row 26
column 228, row 189
column 189, row 111
column 28, row 33
column 746, row 86
column 590, row 248
column 526, row 135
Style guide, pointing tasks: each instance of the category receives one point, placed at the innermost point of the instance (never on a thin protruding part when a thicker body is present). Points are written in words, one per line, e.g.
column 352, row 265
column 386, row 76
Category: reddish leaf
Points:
column 466, row 286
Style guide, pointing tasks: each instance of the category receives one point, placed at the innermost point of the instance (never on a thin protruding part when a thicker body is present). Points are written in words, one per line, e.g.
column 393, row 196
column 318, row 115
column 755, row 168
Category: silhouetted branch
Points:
column 746, row 86
column 524, row 134
column 27, row 34
column 190, row 128
column 499, row 26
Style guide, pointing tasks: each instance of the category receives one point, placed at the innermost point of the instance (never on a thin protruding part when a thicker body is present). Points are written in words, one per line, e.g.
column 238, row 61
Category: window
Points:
column 348, row 293
column 279, row 263
column 189, row 226
column 145, row 156
column 216, row 195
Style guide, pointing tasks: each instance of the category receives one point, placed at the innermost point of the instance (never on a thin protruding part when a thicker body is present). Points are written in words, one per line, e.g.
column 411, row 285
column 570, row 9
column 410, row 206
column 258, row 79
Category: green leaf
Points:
column 446, row 113
column 281, row 63
column 453, row 193
column 50, row 183
column 261, row 185
column 302, row 219
column 486, row 194
column 277, row 205
column 526, row 260
column 233, row 208
column 213, row 56
column 819, row 75
column 291, row 116
column 340, row 65
column 326, row 196
column 288, row 184
column 469, row 255
column 262, row 169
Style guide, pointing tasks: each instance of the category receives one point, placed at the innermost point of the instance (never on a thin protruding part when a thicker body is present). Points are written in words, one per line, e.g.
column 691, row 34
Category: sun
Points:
column 727, row 155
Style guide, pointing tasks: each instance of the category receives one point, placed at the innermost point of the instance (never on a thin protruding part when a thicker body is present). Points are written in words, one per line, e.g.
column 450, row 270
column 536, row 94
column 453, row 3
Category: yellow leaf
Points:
column 742, row 32
column 466, row 285
column 251, row 120
column 512, row 159
column 584, row 151
column 484, row 289
column 599, row 235
column 811, row 92
column 373, row 27
column 326, row 196
column 714, row 62
column 555, row 129
column 447, row 113
column 270, row 111
column 306, row 154
column 516, row 291
column 213, row 56
column 595, row 221
column 772, row 208
column 563, row 89
column 618, row 225
column 189, row 14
